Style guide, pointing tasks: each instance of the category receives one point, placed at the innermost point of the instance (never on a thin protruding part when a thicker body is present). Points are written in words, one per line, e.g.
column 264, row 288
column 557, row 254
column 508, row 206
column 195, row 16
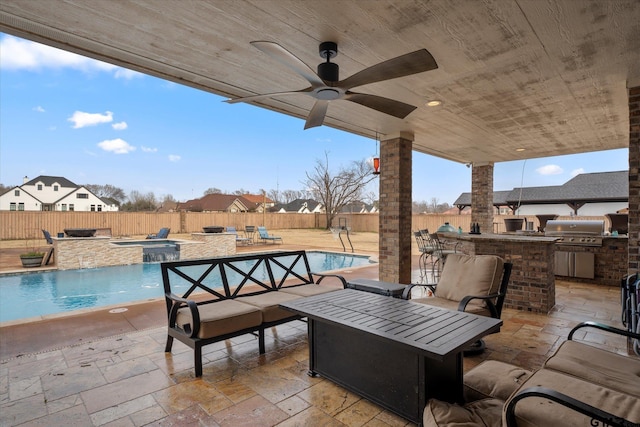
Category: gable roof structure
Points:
column 298, row 205
column 217, row 203
column 599, row 187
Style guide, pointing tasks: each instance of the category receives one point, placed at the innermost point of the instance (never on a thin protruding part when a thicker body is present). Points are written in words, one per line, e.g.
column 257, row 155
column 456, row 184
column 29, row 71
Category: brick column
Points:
column 395, row 209
column 634, row 184
column 482, row 196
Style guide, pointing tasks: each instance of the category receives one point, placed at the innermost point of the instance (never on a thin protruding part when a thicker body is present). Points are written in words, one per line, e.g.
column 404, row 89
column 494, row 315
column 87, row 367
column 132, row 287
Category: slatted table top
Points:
column 434, row 331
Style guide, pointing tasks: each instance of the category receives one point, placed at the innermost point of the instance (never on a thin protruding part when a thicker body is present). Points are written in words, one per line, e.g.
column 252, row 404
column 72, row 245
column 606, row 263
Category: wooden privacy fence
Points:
column 16, row 225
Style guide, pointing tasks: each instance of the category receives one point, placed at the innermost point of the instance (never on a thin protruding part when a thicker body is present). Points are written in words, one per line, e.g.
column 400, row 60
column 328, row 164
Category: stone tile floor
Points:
column 128, row 380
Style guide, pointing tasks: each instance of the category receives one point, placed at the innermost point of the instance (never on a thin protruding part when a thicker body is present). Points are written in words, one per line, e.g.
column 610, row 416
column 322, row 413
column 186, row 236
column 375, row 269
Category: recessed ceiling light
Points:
column 434, row 103
column 519, row 149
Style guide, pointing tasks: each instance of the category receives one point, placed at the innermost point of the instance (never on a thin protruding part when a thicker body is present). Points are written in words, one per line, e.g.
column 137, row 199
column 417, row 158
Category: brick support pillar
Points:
column 395, row 209
column 634, row 183
column 482, row 196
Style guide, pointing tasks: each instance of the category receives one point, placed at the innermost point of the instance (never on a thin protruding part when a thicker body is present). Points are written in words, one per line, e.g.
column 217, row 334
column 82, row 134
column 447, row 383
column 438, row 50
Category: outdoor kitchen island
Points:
column 532, row 285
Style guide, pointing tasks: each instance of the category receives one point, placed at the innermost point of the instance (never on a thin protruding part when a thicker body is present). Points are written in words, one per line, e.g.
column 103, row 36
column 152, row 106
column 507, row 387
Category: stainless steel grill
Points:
column 576, row 233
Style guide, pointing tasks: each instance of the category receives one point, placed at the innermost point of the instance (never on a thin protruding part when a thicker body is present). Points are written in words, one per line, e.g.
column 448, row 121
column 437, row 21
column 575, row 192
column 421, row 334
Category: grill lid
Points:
column 568, row 227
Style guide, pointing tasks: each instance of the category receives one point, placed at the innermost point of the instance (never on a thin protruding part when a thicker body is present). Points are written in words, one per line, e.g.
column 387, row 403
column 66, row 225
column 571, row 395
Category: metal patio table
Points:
column 393, row 352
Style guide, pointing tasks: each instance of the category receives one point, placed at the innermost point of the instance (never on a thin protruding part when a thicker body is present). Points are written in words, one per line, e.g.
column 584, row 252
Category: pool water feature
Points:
column 38, row 294
column 155, row 250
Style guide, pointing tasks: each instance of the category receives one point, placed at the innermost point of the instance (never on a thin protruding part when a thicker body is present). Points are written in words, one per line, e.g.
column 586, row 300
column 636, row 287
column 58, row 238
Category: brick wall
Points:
column 634, row 183
column 395, row 210
column 482, row 197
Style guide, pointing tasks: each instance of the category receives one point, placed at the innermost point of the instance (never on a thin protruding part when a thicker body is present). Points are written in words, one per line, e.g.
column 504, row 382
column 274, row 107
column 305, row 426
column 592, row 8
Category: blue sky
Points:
column 94, row 123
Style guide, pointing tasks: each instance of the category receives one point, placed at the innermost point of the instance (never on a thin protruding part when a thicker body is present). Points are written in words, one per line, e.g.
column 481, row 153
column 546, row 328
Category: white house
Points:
column 52, row 193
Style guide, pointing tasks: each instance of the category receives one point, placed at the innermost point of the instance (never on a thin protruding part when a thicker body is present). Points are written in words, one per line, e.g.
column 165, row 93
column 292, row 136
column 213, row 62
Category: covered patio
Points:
column 515, row 79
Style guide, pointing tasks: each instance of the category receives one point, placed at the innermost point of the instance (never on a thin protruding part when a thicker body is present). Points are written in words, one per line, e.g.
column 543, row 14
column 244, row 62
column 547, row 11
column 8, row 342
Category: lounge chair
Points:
column 47, row 236
column 242, row 240
column 162, row 234
column 49, row 254
column 265, row 237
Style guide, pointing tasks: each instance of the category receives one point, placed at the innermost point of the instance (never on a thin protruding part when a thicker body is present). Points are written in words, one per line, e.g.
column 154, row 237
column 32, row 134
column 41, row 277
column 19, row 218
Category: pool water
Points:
column 35, row 294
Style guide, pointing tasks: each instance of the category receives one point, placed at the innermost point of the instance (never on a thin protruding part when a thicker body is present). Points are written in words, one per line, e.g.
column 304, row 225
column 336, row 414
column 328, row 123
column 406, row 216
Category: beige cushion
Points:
column 598, row 366
column 464, row 275
column 269, row 302
column 485, row 412
column 493, row 379
column 537, row 411
column 222, row 317
column 478, row 308
column 308, row 290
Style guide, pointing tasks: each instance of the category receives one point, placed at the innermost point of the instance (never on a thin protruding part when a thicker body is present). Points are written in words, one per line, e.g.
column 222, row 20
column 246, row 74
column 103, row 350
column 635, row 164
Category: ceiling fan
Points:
column 326, row 85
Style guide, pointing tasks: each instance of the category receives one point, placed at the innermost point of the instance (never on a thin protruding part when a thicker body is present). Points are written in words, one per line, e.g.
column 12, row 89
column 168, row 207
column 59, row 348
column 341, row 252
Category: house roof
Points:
column 587, row 187
column 295, row 205
column 50, row 180
column 257, row 199
column 215, row 202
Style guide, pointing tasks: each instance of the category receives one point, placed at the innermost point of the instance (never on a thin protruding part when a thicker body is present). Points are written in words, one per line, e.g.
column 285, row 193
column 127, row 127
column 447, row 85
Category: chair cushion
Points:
column 268, row 303
column 464, row 275
column 493, row 379
column 538, row 411
column 474, row 307
column 598, row 366
column 222, row 317
column 308, row 290
column 486, row 412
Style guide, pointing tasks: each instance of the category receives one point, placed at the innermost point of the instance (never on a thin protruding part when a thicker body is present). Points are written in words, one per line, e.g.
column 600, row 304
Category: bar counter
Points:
column 532, row 284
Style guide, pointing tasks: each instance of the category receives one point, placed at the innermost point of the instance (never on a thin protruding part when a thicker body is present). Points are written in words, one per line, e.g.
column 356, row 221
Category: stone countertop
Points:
column 517, row 238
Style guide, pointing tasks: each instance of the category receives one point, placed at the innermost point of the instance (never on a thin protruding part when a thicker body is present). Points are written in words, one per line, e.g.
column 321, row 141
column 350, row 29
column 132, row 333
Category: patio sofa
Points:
column 578, row 385
column 232, row 296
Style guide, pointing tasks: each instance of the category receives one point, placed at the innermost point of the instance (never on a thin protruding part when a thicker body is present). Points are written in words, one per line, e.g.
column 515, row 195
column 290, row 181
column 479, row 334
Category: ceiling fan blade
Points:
column 288, row 59
column 405, row 65
column 267, row 95
column 316, row 115
column 384, row 105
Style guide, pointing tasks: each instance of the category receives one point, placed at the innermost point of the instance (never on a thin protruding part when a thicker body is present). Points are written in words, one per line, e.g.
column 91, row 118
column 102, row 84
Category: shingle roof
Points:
column 50, row 180
column 215, row 202
column 586, row 187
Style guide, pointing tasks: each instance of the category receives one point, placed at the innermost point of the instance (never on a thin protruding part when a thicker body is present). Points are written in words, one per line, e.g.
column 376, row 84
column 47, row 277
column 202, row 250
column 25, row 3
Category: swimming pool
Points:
column 36, row 294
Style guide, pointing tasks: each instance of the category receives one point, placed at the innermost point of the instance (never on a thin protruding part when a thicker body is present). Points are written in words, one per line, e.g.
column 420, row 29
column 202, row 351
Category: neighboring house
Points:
column 217, row 203
column 299, row 206
column 53, row 193
column 259, row 202
column 359, row 207
column 588, row 194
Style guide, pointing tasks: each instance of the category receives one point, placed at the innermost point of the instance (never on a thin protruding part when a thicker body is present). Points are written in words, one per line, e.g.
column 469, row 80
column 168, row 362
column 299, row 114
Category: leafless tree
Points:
column 335, row 190
column 212, row 190
column 109, row 191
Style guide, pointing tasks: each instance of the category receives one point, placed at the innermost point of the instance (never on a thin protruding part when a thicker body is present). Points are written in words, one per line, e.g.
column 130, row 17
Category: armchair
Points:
column 474, row 284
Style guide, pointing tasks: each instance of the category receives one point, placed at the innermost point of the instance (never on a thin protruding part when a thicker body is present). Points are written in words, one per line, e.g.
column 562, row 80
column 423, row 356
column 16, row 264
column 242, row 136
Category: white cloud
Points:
column 19, row 54
column 81, row 119
column 39, row 109
column 148, row 149
column 116, row 146
column 120, row 126
column 577, row 172
column 549, row 170
column 174, row 158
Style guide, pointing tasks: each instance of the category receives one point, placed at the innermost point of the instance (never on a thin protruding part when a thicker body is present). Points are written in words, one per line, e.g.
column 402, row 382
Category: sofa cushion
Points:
column 308, row 290
column 464, row 275
column 598, row 366
column 493, row 379
column 268, row 303
column 221, row 317
column 486, row 412
column 538, row 411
